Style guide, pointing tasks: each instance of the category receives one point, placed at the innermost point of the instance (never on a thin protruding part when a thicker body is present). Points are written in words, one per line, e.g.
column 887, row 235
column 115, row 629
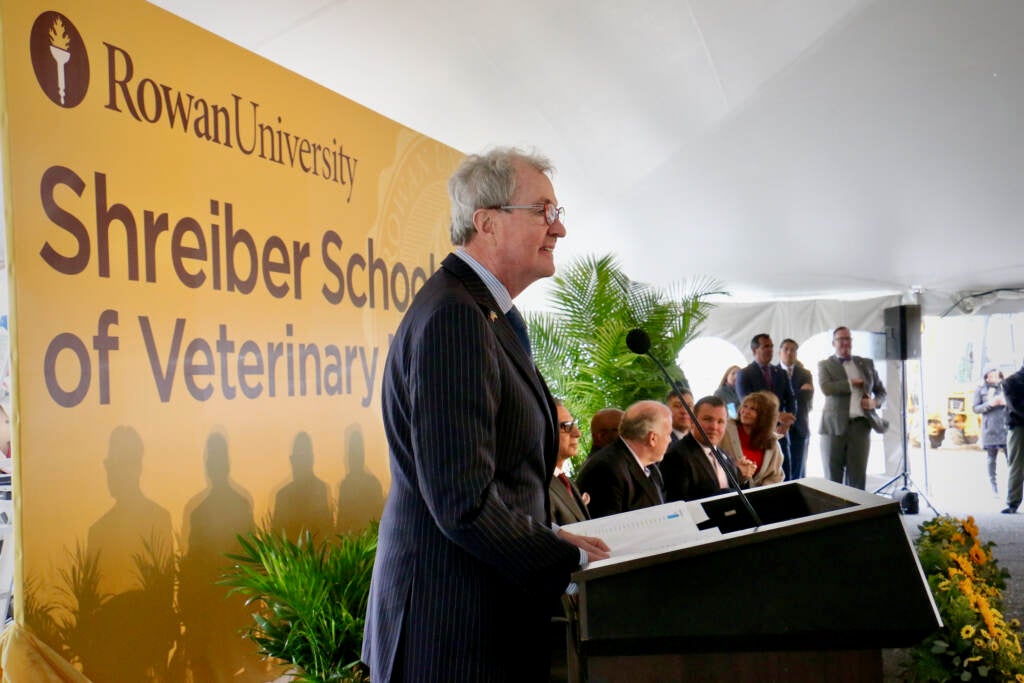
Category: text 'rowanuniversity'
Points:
column 222, row 366
column 235, row 125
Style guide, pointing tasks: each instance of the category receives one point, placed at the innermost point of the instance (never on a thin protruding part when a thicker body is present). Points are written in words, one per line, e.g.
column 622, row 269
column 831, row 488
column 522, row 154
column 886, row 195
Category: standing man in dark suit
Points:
column 851, row 387
column 761, row 375
column 624, row 475
column 567, row 504
column 799, row 434
column 691, row 471
column 468, row 569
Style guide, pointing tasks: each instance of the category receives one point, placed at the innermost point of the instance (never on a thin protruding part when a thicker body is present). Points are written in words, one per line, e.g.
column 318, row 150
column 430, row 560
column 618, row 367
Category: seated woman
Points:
column 753, row 437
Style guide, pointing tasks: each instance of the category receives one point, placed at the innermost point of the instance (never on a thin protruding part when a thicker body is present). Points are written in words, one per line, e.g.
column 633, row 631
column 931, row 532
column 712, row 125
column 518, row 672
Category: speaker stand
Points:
column 903, row 476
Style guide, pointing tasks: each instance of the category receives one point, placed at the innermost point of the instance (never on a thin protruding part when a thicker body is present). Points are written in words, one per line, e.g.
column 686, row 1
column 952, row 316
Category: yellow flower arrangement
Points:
column 975, row 642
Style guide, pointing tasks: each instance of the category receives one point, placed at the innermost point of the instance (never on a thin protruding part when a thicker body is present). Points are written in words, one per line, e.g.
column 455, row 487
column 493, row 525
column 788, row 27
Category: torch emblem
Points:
column 59, row 59
column 60, row 46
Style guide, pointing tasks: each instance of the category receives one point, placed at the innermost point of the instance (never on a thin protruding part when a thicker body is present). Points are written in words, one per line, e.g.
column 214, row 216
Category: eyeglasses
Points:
column 550, row 212
column 568, row 426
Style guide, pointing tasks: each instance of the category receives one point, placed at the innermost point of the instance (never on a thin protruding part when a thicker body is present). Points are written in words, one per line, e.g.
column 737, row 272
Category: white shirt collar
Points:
column 646, row 469
column 493, row 284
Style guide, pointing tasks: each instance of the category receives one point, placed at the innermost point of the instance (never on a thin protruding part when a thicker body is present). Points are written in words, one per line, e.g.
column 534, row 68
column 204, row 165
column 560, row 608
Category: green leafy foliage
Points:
column 580, row 347
column 311, row 598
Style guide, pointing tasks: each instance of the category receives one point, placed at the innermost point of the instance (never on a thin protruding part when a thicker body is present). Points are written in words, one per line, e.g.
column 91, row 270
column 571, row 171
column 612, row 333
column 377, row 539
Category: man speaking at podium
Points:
column 468, row 570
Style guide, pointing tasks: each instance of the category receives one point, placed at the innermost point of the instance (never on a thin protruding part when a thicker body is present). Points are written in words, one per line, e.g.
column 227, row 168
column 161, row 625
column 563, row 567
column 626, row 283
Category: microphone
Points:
column 639, row 342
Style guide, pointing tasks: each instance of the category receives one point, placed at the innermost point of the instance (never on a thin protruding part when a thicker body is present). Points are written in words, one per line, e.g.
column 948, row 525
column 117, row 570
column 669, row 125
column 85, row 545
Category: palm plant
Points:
column 311, row 597
column 580, row 347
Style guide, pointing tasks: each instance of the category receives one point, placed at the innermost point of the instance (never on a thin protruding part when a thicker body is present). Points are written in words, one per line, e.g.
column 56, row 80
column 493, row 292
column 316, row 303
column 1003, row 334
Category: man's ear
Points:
column 483, row 221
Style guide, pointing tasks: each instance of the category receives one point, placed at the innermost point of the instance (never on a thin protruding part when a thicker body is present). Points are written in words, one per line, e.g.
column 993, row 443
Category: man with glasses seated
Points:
column 567, row 504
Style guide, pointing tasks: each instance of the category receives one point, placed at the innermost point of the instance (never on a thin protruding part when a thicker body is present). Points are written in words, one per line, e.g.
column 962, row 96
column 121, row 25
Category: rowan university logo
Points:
column 59, row 59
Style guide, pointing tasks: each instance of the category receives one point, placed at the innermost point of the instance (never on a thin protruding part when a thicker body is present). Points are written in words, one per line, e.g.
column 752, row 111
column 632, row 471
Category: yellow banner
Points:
column 207, row 254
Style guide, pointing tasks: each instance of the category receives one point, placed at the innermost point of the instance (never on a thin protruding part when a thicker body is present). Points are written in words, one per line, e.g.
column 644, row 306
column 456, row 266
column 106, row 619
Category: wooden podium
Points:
column 813, row 594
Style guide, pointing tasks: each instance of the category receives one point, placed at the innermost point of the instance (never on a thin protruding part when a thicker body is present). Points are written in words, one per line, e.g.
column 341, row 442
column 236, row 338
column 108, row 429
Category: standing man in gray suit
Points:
column 468, row 570
column 851, row 387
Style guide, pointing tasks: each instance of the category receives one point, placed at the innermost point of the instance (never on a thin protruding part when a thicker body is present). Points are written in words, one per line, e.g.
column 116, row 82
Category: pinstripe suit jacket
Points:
column 468, row 570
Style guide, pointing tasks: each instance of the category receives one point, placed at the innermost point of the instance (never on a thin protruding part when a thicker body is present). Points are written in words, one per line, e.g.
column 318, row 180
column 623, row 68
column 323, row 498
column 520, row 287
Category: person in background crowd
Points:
column 851, row 386
column 794, row 443
column 727, row 390
column 990, row 403
column 567, row 504
column 753, row 437
column 604, row 428
column 680, row 416
column 1013, row 393
column 761, row 375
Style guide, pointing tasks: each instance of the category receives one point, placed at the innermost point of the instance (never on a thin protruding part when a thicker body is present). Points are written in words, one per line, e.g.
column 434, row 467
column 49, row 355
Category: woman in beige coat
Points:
column 753, row 437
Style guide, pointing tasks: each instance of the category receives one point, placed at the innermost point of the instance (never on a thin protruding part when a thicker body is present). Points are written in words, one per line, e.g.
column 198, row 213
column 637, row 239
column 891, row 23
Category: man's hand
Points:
column 859, row 382
column 807, row 387
column 786, row 419
column 867, row 403
column 595, row 548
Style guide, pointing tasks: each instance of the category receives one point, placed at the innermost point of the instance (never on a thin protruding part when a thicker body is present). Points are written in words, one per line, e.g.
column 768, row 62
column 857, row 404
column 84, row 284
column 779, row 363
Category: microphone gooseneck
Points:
column 639, row 342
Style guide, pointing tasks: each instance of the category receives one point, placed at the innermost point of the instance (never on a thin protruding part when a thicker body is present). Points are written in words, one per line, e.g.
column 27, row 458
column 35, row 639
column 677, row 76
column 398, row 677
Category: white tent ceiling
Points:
column 789, row 148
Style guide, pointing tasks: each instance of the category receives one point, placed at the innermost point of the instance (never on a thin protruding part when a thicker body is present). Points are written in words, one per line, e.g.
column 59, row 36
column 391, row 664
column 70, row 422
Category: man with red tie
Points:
column 567, row 504
column 761, row 375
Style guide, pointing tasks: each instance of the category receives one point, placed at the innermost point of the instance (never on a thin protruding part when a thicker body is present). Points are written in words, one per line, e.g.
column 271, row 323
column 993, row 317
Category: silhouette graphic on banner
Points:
column 302, row 503
column 125, row 621
column 360, row 495
column 212, row 521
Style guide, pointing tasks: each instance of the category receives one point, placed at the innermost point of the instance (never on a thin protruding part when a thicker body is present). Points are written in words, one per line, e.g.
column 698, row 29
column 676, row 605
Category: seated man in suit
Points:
column 604, row 428
column 567, row 504
column 690, row 470
column 680, row 415
column 624, row 475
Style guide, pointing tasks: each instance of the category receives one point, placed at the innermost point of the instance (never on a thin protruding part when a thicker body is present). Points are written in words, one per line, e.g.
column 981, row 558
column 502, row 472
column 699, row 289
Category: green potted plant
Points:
column 580, row 346
column 309, row 597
